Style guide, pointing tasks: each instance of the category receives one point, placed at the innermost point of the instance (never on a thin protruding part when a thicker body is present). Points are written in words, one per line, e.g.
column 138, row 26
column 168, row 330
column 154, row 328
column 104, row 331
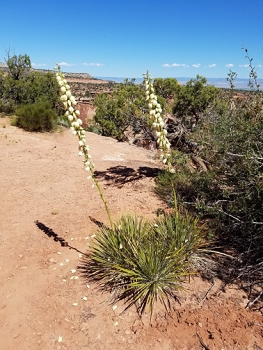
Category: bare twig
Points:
column 243, row 155
column 256, row 299
column 207, row 293
column 232, row 216
column 202, row 342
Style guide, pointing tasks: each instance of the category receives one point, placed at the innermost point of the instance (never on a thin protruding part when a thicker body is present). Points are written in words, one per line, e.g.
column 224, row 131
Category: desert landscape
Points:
column 48, row 215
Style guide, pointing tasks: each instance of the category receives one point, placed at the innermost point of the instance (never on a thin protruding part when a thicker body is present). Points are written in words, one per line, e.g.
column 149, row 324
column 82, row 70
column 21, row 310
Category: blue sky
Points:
column 124, row 38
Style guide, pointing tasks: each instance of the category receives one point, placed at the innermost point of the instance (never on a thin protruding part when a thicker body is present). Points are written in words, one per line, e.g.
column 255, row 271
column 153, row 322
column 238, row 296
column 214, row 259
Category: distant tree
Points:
column 23, row 86
column 126, row 107
column 192, row 100
column 18, row 65
column 167, row 87
column 39, row 86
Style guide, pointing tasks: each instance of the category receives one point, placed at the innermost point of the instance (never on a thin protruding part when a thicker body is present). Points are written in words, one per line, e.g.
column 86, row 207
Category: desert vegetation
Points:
column 212, row 141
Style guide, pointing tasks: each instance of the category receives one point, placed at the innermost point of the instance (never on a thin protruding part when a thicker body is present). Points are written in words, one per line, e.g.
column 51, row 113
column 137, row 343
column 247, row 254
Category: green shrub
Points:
column 167, row 87
column 193, row 100
column 22, row 86
column 36, row 117
column 229, row 194
column 7, row 107
column 141, row 262
column 125, row 109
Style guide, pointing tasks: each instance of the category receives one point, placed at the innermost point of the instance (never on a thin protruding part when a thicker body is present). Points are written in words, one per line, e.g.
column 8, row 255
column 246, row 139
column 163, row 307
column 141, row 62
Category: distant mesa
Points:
column 240, row 83
column 3, row 65
column 81, row 76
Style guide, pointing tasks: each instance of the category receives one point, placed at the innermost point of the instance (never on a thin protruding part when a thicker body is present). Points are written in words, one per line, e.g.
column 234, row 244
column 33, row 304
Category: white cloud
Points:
column 259, row 66
column 244, row 65
column 39, row 65
column 93, row 64
column 166, row 65
column 196, row 65
column 213, row 65
column 65, row 64
column 229, row 65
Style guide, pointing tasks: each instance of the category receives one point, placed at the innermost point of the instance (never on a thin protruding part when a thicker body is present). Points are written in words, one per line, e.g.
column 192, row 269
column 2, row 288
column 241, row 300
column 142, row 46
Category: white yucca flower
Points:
column 73, row 117
column 157, row 121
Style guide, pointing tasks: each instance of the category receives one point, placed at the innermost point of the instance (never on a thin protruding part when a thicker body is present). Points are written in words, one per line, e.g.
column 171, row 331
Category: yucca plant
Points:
column 141, row 262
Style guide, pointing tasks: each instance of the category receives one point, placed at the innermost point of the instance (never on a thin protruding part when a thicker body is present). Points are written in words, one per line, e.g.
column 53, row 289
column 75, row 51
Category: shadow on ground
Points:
column 50, row 233
column 121, row 175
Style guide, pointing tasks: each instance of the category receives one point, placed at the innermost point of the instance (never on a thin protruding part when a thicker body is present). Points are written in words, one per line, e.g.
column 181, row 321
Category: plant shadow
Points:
column 51, row 234
column 121, row 175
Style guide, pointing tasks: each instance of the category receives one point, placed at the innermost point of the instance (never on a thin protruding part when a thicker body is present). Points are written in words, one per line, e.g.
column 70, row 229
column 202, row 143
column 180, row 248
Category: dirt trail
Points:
column 44, row 303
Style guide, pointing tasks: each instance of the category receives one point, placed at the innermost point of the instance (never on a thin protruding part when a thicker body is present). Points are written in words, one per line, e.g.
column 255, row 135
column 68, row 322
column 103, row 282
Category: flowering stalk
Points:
column 73, row 114
column 157, row 122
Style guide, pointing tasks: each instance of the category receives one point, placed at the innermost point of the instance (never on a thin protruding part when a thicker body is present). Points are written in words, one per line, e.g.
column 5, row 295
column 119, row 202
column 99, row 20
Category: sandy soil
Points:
column 44, row 302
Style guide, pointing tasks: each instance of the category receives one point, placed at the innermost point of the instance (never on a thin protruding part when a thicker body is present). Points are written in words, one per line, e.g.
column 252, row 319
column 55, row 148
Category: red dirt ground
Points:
column 42, row 304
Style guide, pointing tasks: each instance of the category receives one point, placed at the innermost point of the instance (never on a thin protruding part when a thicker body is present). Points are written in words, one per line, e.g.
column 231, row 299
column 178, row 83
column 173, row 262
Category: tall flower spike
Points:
column 73, row 117
column 157, row 122
column 76, row 127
